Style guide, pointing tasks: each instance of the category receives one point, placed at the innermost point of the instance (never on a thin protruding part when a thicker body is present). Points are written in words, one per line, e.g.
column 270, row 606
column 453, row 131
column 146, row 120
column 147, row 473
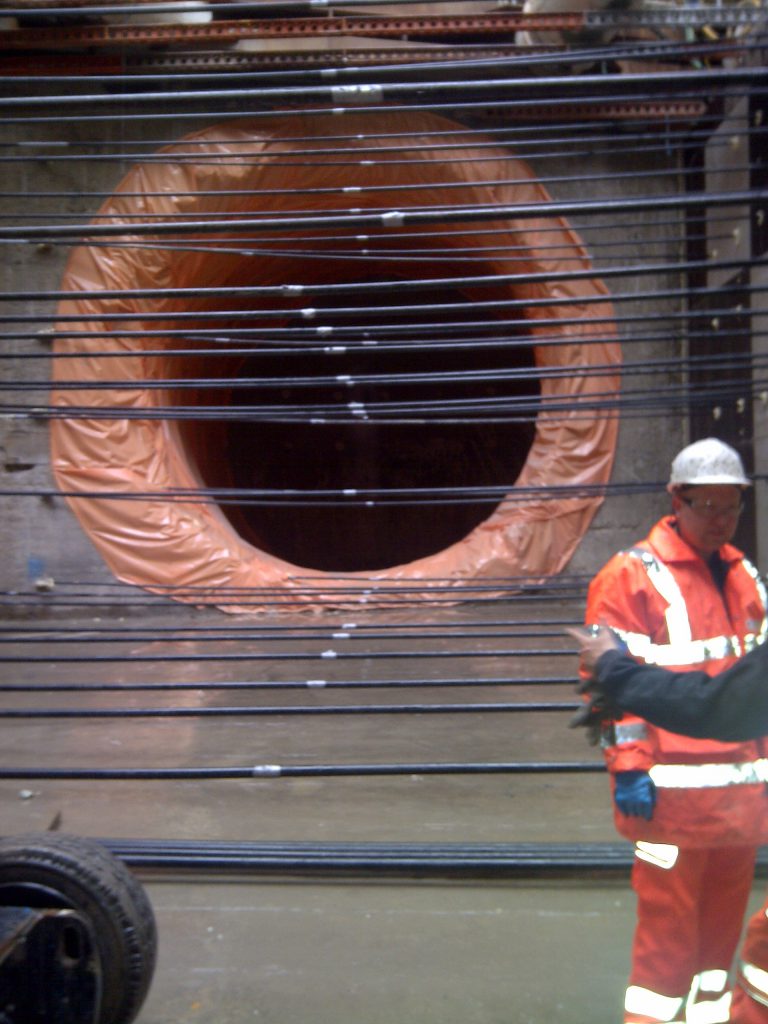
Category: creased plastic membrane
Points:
column 190, row 546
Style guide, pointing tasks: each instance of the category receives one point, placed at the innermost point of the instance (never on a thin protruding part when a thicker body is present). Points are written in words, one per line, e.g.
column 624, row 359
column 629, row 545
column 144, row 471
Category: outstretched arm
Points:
column 730, row 706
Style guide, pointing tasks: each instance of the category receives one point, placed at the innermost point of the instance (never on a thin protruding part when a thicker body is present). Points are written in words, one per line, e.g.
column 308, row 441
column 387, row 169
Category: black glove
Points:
column 593, row 716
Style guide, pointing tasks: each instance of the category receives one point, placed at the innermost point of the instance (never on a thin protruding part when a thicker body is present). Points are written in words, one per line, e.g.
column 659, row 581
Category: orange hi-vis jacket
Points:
column 661, row 599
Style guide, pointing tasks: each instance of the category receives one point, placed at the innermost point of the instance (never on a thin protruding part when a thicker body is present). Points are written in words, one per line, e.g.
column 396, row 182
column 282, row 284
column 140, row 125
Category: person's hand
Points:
column 593, row 642
column 635, row 794
column 592, row 717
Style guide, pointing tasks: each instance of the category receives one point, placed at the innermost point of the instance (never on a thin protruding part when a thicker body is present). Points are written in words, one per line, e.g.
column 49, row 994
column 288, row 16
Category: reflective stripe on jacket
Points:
column 663, row 602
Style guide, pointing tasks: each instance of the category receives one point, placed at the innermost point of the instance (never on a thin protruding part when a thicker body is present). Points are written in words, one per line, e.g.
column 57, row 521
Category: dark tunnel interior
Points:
column 362, row 532
column 417, row 290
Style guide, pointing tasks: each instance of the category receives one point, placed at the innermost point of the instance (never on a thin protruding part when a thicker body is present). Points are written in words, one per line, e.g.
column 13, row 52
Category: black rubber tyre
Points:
column 52, row 869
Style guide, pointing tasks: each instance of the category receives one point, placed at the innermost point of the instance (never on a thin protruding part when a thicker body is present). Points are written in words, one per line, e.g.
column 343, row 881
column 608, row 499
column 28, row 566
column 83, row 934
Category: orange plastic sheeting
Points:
column 160, row 543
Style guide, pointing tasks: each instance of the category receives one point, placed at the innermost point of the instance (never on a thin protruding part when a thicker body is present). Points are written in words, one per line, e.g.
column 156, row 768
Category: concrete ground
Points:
column 346, row 948
column 457, row 953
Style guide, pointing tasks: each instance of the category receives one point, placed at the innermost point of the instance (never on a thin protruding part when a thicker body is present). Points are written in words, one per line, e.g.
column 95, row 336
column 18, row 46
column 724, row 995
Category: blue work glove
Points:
column 635, row 794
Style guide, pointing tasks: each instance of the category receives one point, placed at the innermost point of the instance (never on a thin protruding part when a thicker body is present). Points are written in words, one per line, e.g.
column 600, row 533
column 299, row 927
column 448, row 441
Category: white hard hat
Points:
column 707, row 462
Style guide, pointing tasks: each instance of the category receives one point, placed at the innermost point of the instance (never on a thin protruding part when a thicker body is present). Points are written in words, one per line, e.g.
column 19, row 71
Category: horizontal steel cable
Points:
column 523, row 150
column 216, row 245
column 401, row 188
column 508, row 409
column 670, row 84
column 495, row 493
column 220, row 635
column 543, row 590
column 275, row 771
column 330, row 333
column 309, row 684
column 293, row 290
column 706, row 15
column 253, row 629
column 361, row 635
column 613, row 51
column 456, row 255
column 548, row 587
column 439, row 860
column 241, row 656
column 742, row 360
column 270, row 344
column 91, row 8
column 454, row 107
column 430, row 596
column 287, row 710
column 521, row 137
column 745, row 362
column 390, row 218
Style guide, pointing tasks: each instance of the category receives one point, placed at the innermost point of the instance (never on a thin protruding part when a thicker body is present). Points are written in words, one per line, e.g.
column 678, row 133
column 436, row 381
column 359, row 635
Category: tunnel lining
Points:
column 157, row 542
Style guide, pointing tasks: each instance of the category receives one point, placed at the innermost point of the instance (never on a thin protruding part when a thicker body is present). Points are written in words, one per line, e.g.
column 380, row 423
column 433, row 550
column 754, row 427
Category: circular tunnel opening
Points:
column 436, row 458
column 456, row 321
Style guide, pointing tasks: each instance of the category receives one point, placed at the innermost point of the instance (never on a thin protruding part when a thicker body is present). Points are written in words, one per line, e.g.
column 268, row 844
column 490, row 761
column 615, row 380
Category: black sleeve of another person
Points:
column 730, row 706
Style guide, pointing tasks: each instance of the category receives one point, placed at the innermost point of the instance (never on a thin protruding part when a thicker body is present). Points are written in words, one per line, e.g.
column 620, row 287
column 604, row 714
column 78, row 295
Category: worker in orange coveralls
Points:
column 685, row 598
column 733, row 705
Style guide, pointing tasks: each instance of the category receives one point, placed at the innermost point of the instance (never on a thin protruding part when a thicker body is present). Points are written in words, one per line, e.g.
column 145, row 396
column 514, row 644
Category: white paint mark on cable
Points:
column 359, row 94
